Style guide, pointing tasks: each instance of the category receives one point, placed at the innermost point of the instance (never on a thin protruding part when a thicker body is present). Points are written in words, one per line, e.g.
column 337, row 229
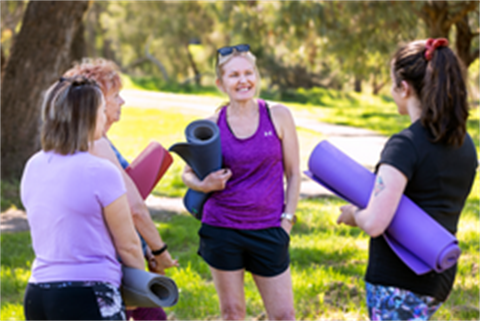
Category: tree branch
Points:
column 155, row 61
column 3, row 62
column 417, row 12
column 466, row 8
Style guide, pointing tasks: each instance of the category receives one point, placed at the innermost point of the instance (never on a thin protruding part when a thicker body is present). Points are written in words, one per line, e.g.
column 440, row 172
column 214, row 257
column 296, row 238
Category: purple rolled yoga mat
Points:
column 418, row 240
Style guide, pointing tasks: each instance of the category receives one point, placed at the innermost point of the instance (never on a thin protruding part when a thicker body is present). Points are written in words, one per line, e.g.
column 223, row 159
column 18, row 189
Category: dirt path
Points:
column 362, row 145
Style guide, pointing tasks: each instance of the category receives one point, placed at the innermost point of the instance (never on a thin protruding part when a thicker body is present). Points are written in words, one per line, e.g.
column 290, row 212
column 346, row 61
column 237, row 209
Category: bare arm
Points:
column 140, row 214
column 215, row 181
column 376, row 217
column 125, row 239
column 285, row 127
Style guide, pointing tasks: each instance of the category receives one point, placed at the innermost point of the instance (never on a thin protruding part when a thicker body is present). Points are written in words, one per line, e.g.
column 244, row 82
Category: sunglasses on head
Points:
column 228, row 50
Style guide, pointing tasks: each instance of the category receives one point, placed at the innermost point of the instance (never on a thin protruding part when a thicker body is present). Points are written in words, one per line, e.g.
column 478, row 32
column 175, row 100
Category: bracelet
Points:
column 292, row 218
column 161, row 250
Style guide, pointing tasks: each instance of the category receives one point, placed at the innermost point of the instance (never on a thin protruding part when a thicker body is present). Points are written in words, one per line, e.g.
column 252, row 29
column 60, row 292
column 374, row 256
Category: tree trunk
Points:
column 79, row 46
column 464, row 42
column 440, row 16
column 3, row 61
column 40, row 55
column 198, row 76
column 156, row 62
column 357, row 84
column 435, row 16
column 108, row 52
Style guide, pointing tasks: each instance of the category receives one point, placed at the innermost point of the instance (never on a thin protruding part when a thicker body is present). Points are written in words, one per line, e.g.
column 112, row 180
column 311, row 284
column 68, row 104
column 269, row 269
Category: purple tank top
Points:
column 254, row 196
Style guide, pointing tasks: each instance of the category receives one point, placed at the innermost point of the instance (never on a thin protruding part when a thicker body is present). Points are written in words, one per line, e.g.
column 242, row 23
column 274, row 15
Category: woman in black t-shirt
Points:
column 433, row 162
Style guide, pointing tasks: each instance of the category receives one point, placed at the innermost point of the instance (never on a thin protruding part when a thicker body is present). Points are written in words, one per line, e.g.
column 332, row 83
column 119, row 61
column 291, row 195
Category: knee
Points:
column 283, row 315
column 233, row 312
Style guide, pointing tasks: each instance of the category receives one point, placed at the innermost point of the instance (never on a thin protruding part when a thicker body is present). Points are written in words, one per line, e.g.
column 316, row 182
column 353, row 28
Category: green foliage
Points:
column 17, row 256
column 10, row 195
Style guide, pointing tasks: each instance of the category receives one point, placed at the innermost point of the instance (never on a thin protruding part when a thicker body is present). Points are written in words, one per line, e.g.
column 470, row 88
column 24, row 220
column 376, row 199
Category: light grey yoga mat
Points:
column 148, row 290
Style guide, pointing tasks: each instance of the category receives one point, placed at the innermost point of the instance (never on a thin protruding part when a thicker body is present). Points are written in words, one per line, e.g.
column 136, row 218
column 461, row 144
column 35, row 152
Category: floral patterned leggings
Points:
column 391, row 303
column 73, row 301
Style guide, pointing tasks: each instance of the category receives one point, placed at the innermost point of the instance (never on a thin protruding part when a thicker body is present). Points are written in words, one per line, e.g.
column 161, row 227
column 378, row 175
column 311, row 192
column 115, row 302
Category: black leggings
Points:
column 71, row 302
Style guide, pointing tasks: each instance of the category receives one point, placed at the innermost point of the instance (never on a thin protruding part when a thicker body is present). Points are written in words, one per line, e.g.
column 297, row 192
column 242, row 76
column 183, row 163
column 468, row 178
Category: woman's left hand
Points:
column 162, row 262
column 348, row 215
column 286, row 225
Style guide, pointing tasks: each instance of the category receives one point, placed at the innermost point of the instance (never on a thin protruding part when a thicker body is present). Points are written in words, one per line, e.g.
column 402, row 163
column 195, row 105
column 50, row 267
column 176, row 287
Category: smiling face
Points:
column 239, row 79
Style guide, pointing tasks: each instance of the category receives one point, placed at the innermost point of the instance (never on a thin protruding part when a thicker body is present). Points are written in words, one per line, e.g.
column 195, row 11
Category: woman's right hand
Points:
column 216, row 181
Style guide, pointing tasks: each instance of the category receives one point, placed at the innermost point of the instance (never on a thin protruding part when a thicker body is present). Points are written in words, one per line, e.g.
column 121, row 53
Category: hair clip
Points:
column 433, row 44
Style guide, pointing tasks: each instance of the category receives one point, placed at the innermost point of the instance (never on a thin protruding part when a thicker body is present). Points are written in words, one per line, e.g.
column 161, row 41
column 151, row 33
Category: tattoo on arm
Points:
column 379, row 186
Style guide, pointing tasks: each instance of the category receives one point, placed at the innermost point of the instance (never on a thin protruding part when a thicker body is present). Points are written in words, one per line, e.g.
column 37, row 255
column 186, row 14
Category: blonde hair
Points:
column 222, row 60
column 69, row 114
column 104, row 72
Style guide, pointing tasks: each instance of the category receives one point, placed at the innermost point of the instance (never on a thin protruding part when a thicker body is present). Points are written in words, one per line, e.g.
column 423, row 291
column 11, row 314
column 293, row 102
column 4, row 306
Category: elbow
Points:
column 293, row 175
column 131, row 255
column 130, row 249
column 372, row 228
column 139, row 211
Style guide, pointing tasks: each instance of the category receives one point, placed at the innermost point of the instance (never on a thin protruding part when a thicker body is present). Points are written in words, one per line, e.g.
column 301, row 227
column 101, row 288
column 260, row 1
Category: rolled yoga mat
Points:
column 145, row 289
column 418, row 240
column 142, row 288
column 149, row 167
column 203, row 153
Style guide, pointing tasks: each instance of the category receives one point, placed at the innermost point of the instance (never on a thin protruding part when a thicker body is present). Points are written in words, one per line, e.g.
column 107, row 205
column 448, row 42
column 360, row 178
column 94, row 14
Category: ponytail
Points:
column 437, row 77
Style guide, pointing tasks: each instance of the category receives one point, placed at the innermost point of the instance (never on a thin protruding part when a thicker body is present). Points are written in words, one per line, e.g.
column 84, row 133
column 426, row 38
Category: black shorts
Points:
column 262, row 252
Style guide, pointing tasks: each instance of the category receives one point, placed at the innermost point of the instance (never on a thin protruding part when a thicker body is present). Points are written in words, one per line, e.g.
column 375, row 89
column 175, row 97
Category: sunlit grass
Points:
column 139, row 127
column 328, row 261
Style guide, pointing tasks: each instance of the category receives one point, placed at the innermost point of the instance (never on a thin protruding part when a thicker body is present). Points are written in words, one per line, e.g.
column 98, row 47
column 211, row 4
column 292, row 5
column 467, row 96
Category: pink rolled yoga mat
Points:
column 418, row 240
column 149, row 167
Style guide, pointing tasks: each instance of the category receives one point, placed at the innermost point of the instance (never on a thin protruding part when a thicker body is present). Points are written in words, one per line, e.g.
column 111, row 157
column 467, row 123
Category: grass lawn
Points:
column 328, row 261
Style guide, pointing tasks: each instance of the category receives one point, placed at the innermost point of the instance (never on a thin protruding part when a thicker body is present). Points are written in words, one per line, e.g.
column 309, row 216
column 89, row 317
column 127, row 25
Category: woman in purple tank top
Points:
column 246, row 222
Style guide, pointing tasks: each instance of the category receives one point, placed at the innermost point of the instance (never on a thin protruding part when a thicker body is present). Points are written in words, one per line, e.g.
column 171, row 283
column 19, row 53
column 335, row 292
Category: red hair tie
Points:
column 433, row 44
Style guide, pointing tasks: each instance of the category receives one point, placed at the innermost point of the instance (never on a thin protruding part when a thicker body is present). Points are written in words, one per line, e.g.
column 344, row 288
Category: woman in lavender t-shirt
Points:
column 247, row 221
column 78, row 213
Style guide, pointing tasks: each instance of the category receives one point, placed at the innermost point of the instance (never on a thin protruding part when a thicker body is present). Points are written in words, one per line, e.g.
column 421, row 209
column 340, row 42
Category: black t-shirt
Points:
column 440, row 178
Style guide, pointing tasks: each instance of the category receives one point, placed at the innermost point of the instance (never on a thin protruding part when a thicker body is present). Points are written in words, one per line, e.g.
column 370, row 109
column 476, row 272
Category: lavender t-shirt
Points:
column 64, row 197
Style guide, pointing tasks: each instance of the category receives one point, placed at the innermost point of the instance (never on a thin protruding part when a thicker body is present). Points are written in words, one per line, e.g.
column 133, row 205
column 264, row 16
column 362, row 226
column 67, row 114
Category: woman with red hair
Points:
column 106, row 74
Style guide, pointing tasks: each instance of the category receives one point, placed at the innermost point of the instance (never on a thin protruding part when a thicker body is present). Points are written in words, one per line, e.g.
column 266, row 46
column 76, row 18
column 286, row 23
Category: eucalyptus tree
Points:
column 40, row 54
column 440, row 17
column 160, row 32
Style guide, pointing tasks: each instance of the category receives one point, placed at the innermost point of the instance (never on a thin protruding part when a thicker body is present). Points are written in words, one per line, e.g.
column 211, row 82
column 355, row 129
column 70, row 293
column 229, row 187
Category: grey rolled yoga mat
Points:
column 148, row 290
column 203, row 153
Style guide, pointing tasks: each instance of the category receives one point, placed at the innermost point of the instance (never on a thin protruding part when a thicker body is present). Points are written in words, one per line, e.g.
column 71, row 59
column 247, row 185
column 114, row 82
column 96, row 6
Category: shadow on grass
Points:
column 303, row 229
column 347, row 262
